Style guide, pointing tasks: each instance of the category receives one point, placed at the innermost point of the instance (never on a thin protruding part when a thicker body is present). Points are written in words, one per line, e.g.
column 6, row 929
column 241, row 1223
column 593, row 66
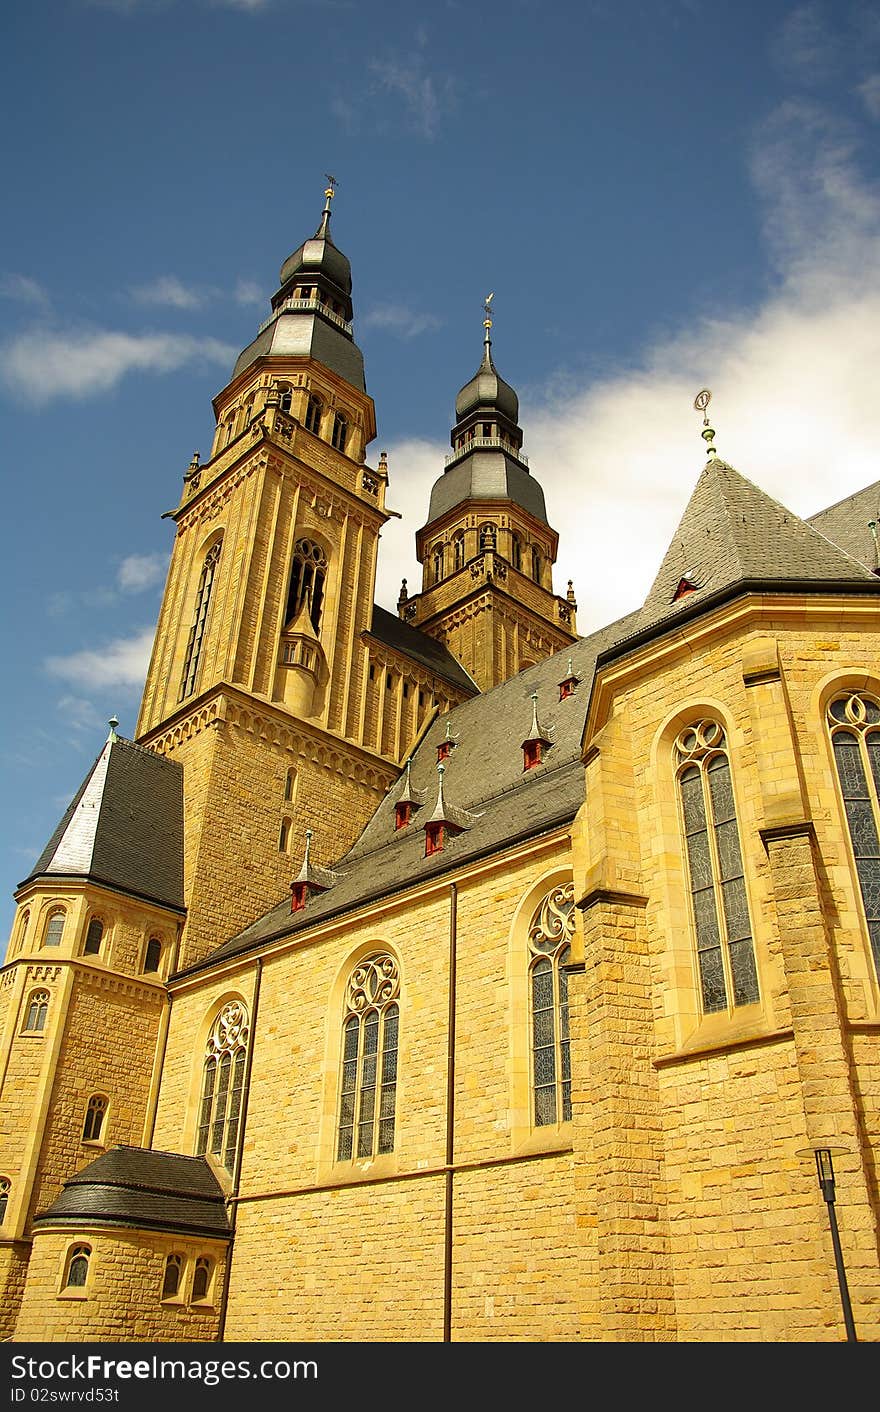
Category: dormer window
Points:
column 434, row 838
column 299, row 892
column 444, row 750
column 402, row 813
column 531, row 754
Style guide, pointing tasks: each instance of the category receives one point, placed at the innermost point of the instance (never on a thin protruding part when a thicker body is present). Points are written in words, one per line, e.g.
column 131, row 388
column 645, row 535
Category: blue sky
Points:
column 663, row 196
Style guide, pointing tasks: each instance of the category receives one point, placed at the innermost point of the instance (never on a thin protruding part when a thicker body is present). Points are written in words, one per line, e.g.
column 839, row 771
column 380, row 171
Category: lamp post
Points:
column 825, row 1170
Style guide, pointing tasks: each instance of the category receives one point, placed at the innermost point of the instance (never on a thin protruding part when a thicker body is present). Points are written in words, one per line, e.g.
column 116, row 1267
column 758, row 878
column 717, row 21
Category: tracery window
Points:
column 5, row 1188
column 171, row 1279
column 437, row 562
column 38, row 1008
column 854, row 723
column 95, row 1110
column 368, row 1087
column 719, row 904
column 94, row 937
column 54, row 928
column 550, row 949
column 458, row 552
column 307, row 577
column 77, row 1267
column 200, row 619
column 222, row 1084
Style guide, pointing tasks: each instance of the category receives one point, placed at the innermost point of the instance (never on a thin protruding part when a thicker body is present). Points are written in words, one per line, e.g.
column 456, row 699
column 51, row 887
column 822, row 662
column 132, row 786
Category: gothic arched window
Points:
column 550, row 949
column 200, row 619
column 54, row 928
column 368, row 1088
column 5, row 1188
column 536, row 565
column 202, row 1277
column 171, row 1278
column 458, row 552
column 307, row 577
column 516, row 551
column 94, row 937
column 854, row 723
column 38, row 1008
column 719, row 905
column 77, row 1271
column 437, row 563
column 340, row 431
column 285, row 398
column 95, row 1110
column 222, row 1084
column 314, row 411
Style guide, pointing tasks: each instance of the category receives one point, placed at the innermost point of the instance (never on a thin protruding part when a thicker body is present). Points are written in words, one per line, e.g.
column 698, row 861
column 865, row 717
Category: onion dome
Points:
column 487, row 391
column 319, row 256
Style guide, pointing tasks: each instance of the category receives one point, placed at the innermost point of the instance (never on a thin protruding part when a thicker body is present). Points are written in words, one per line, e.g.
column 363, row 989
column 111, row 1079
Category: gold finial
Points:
column 330, row 192
column 487, row 317
column 701, row 402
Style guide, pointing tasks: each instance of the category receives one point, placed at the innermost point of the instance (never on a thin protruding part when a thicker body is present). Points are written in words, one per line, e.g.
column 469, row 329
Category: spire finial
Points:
column 329, row 193
column 536, row 729
column 113, row 723
column 308, row 847
column 701, row 403
column 487, row 320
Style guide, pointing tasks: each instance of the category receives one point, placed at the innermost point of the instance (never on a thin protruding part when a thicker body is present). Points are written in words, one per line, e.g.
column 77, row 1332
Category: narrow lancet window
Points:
column 550, row 950
column 719, row 905
column 307, row 575
column 368, row 1086
column 199, row 623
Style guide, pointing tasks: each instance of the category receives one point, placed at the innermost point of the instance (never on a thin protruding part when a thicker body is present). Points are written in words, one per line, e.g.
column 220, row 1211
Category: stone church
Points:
column 446, row 975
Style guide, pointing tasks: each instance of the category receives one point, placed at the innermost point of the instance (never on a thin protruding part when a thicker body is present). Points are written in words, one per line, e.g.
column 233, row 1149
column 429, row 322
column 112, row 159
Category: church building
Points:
column 445, row 975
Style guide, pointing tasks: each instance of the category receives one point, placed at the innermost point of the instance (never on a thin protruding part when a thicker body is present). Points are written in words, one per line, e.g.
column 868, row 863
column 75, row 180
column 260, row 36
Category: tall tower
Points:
column 487, row 550
column 272, row 679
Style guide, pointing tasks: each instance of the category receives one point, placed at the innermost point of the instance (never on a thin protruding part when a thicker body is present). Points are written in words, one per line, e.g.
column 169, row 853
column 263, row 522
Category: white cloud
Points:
column 141, row 571
column 793, row 383
column 80, row 714
column 24, row 290
column 400, row 320
column 121, row 663
column 869, row 91
column 424, row 97
column 247, row 291
column 44, row 364
column 168, row 290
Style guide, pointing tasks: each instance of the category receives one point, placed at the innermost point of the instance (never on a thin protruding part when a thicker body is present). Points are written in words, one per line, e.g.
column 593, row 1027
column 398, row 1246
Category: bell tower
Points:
column 487, row 550
column 266, row 660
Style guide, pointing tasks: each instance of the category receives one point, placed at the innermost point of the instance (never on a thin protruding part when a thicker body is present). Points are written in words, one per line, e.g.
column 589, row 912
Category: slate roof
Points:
column 427, row 651
column 124, row 827
column 487, row 475
column 848, row 522
column 135, row 1186
column 484, row 782
column 733, row 534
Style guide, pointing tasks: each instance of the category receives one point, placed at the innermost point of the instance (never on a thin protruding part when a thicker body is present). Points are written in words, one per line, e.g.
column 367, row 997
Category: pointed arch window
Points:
column 222, row 1084
column 290, row 785
column 202, row 1278
column 516, row 551
column 536, row 565
column 550, row 950
column 368, row 1087
column 458, row 552
column 437, row 563
column 54, row 927
column 153, row 954
column 339, row 437
column 95, row 1113
column 5, row 1188
column 38, row 1009
column 200, row 619
column 94, row 937
column 171, row 1278
column 314, row 412
column 719, row 904
column 284, row 400
column 854, row 724
column 77, row 1272
column 307, row 577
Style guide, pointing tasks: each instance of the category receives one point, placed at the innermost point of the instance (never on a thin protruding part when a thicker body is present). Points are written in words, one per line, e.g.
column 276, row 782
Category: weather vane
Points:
column 701, row 403
column 331, row 186
column 487, row 310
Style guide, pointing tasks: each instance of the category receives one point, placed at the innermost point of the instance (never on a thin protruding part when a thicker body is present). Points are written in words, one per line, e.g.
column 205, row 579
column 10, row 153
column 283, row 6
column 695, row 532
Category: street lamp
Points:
column 825, row 1172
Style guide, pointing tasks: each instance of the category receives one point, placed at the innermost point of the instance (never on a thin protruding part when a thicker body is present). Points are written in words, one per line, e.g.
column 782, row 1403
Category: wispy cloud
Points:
column 80, row 714
column 121, row 663
column 807, row 47
column 138, row 572
column 42, row 365
column 426, row 97
column 248, row 292
column 400, row 320
column 24, row 290
column 869, row 92
column 168, row 290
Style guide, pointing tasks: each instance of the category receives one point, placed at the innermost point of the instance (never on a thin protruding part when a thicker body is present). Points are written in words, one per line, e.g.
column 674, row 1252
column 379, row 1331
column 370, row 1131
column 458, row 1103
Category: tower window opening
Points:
column 437, row 563
column 340, row 431
column 97, row 1107
column 487, row 538
column 290, row 783
column 314, row 411
column 54, row 928
column 487, row 428
column 536, row 565
column 94, row 937
column 38, row 1008
column 516, row 551
column 307, row 578
column 458, row 552
column 200, row 619
column 153, row 955
column 284, row 835
column 285, row 399
column 306, row 292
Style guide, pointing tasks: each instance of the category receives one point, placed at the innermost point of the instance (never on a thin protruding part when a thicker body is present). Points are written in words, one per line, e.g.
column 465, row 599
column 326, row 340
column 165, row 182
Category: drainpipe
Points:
column 450, row 1119
column 232, row 1203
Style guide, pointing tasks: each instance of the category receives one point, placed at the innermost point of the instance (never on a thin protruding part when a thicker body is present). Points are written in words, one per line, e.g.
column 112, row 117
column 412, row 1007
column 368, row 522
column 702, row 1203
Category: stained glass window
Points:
column 78, row 1267
column 854, row 722
column 38, row 1008
column 222, row 1085
column 719, row 905
column 550, row 949
column 97, row 1107
column 368, row 1082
